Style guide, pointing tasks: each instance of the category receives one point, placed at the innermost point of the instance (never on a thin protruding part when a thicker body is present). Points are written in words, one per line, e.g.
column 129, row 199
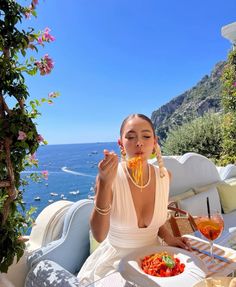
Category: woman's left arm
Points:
column 171, row 240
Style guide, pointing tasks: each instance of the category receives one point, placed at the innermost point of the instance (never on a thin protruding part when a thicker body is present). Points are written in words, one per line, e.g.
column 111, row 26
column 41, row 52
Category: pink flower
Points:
column 53, row 95
column 29, row 11
column 21, row 136
column 234, row 84
column 40, row 138
column 27, row 15
column 33, row 159
column 47, row 36
column 33, row 156
column 35, row 2
column 45, row 174
column 45, row 65
column 40, row 41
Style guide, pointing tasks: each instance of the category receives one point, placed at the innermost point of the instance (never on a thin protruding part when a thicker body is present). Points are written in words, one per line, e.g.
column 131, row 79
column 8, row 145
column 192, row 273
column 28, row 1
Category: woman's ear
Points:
column 122, row 150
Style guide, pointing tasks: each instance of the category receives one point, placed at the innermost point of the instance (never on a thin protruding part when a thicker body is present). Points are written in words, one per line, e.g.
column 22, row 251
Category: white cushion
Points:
column 196, row 204
column 229, row 220
column 181, row 196
column 204, row 188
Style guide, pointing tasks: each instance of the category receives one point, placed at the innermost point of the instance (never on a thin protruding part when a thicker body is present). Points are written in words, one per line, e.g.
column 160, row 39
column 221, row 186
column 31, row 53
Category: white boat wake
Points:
column 65, row 169
column 38, row 171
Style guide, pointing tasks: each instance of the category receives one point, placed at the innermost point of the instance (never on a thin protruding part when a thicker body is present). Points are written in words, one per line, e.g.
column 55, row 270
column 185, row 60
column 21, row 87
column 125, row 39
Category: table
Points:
column 222, row 269
column 113, row 280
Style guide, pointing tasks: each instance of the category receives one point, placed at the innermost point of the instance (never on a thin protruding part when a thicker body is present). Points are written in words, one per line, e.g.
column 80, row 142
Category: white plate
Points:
column 215, row 282
column 194, row 271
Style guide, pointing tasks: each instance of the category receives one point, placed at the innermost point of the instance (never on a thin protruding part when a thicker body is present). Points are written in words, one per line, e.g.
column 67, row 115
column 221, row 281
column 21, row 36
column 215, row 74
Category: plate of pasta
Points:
column 163, row 266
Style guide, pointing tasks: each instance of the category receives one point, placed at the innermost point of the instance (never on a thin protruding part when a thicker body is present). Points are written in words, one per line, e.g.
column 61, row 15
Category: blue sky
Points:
column 116, row 57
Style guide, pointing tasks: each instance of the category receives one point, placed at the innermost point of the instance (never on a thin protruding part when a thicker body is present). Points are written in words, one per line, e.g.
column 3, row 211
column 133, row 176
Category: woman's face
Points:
column 138, row 138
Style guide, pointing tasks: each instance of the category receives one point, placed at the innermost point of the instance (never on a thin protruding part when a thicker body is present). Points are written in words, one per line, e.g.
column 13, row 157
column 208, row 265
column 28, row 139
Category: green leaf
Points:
column 34, row 13
column 168, row 261
column 23, row 52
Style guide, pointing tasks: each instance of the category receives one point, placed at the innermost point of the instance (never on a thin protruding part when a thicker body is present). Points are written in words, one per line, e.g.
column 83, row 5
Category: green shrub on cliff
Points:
column 202, row 135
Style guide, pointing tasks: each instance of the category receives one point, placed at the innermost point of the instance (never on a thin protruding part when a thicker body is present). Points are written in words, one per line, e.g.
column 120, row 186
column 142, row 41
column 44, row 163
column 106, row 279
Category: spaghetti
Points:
column 136, row 166
column 162, row 265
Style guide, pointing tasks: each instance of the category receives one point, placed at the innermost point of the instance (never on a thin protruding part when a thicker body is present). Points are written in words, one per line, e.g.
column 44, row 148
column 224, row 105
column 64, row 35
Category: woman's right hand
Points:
column 107, row 168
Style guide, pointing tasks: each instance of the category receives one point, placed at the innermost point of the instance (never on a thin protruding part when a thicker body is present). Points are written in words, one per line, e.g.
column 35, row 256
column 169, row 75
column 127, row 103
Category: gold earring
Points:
column 154, row 151
column 153, row 155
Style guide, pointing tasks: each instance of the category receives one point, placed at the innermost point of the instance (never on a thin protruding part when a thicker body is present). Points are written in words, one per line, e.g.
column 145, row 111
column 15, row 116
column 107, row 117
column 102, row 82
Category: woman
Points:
column 127, row 213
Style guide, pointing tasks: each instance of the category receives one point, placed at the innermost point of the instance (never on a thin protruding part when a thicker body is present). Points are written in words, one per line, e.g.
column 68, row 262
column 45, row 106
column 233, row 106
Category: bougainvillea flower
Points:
column 27, row 15
column 45, row 65
column 29, row 11
column 46, row 37
column 40, row 138
column 45, row 174
column 33, row 159
column 21, row 136
column 40, row 41
column 35, row 2
column 53, row 95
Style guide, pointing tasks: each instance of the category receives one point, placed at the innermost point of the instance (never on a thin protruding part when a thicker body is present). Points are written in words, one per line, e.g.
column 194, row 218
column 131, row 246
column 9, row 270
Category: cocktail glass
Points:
column 211, row 227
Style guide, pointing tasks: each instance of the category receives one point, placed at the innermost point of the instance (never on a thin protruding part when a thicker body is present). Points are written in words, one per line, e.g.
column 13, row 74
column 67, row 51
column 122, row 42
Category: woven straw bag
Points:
column 180, row 222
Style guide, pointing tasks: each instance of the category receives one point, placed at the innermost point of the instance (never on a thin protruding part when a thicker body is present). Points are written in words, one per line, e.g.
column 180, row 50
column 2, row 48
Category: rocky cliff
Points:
column 202, row 98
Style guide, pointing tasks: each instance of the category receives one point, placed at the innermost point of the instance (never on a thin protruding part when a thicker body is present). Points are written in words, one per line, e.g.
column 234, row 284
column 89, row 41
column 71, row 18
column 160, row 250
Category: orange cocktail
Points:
column 212, row 227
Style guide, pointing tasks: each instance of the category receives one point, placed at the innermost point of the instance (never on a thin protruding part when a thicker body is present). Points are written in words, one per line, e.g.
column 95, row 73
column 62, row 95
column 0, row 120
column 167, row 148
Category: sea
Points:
column 72, row 170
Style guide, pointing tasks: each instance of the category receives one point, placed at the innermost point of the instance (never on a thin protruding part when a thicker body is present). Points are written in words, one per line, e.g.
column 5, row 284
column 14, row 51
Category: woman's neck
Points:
column 146, row 175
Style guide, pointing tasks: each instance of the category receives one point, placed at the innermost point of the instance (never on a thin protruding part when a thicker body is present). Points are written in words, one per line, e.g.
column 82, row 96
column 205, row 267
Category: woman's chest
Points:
column 144, row 204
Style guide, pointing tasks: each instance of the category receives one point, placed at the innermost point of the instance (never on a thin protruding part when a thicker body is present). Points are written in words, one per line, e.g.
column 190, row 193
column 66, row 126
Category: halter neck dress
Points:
column 124, row 234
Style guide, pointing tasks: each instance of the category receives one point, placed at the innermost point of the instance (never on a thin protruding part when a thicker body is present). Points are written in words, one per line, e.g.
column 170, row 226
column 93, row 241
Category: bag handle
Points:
column 173, row 219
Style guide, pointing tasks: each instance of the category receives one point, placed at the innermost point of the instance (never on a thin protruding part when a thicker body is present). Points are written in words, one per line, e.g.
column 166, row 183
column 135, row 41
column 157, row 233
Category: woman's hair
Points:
column 139, row 116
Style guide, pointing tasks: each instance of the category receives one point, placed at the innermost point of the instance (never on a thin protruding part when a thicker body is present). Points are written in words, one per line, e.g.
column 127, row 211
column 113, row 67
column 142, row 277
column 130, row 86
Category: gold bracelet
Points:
column 103, row 211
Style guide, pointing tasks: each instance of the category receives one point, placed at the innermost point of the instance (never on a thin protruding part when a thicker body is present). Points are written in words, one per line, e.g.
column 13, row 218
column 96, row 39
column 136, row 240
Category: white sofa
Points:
column 195, row 177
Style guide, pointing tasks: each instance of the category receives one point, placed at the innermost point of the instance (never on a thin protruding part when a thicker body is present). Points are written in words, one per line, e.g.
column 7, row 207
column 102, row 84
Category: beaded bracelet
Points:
column 103, row 211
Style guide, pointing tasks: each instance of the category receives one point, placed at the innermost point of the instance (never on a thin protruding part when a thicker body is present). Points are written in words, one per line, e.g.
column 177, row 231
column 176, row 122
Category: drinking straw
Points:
column 208, row 208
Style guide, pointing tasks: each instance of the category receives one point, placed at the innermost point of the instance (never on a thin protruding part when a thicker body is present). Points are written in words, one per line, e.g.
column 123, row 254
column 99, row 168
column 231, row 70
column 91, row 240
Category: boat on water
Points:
column 37, row 198
column 93, row 153
column 53, row 194
column 74, row 192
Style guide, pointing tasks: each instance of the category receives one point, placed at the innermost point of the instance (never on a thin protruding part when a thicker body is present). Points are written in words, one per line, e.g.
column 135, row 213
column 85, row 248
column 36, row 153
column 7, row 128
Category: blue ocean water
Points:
column 72, row 172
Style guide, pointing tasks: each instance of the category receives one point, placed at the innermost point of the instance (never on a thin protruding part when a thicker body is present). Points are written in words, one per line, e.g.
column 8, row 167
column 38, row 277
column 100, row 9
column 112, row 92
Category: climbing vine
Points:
column 19, row 138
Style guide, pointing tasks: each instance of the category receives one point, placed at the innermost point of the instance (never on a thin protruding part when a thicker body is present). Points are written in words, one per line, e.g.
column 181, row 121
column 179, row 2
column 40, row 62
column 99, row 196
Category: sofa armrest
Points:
column 49, row 273
column 45, row 252
column 71, row 250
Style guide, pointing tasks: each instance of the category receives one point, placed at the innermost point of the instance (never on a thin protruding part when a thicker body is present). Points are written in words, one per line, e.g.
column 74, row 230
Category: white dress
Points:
column 124, row 234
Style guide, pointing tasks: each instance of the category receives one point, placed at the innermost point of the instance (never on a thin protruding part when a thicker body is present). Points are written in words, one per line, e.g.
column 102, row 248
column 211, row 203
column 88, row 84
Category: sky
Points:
column 117, row 57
